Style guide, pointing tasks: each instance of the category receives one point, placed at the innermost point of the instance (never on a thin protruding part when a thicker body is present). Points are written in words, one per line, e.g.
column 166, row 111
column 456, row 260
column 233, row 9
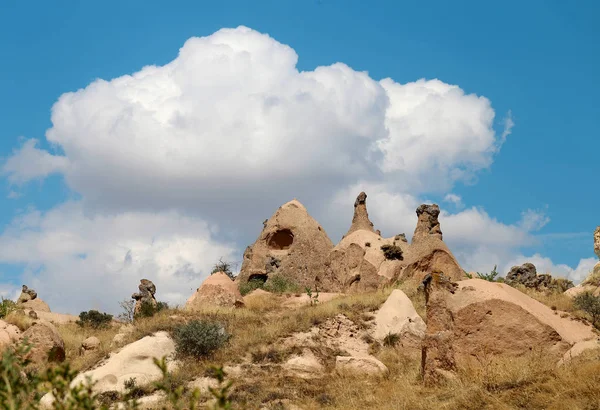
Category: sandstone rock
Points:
column 578, row 349
column 38, row 305
column 89, row 345
column 47, row 344
column 8, row 334
column 218, row 290
column 366, row 365
column 203, row 384
column 527, row 276
column 147, row 289
column 498, row 319
column 26, row 294
column 292, row 245
column 360, row 220
column 427, row 223
column 398, row 315
column 132, row 361
column 437, row 354
column 118, row 339
column 305, row 366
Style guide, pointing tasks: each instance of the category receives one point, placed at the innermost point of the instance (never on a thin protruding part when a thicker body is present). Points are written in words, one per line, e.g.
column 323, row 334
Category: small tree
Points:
column 590, row 304
column 199, row 338
column 223, row 266
column 490, row 277
column 94, row 319
column 392, row 252
column 6, row 307
column 127, row 314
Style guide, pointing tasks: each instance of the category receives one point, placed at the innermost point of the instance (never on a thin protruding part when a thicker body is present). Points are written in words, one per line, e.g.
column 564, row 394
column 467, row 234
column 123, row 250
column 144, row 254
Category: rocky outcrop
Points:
column 47, row 346
column 398, row 316
column 597, row 241
column 427, row 223
column 89, row 345
column 8, row 335
column 305, row 366
column 29, row 300
column 437, row 352
column 365, row 365
column 527, row 276
column 293, row 246
column 495, row 318
column 360, row 220
column 218, row 290
column 132, row 361
column 147, row 289
column 590, row 284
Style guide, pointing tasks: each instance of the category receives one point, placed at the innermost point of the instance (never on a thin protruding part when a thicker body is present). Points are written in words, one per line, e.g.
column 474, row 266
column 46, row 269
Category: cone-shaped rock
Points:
column 218, row 290
column 361, row 220
column 292, row 246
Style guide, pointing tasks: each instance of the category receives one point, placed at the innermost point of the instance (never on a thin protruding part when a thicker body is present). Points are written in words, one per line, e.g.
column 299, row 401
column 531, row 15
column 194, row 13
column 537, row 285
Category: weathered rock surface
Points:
column 398, row 315
column 218, row 290
column 360, row 220
column 26, row 294
column 578, row 349
column 437, row 354
column 498, row 319
column 89, row 345
column 132, row 361
column 427, row 224
column 8, row 334
column 305, row 366
column 29, row 300
column 47, row 344
column 147, row 289
column 292, row 245
column 366, row 365
column 597, row 241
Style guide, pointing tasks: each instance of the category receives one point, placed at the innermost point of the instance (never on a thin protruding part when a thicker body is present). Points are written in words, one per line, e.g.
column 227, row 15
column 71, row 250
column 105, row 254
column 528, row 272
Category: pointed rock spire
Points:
column 427, row 223
column 597, row 241
column 361, row 217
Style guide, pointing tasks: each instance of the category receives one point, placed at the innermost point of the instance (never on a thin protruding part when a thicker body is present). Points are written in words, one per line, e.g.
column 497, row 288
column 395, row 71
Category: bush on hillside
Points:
column 6, row 307
column 490, row 277
column 281, row 284
column 590, row 304
column 148, row 309
column 223, row 266
column 94, row 319
column 200, row 338
column 392, row 252
column 251, row 285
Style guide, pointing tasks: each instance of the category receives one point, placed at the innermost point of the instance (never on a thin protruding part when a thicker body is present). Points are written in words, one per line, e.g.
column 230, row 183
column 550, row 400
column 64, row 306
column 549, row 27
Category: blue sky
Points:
column 537, row 60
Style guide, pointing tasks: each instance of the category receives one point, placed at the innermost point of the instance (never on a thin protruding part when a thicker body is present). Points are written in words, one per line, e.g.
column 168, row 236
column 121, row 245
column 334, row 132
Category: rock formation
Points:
column 427, row 223
column 437, row 353
column 8, row 335
column 597, row 241
column 361, row 220
column 47, row 344
column 292, row 246
column 527, row 276
column 29, row 301
column 592, row 282
column 145, row 295
column 89, row 345
column 218, row 290
column 498, row 319
column 398, row 316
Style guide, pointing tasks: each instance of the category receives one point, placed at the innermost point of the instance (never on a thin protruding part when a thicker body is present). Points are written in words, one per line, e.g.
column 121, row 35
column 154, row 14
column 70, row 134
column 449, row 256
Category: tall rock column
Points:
column 360, row 220
column 437, row 351
column 597, row 241
column 427, row 223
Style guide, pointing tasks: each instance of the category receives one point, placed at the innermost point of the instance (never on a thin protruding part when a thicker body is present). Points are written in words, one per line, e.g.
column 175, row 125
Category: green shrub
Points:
column 392, row 252
column 590, row 304
column 149, row 309
column 199, row 338
column 281, row 284
column 94, row 319
column 6, row 307
column 490, row 277
column 391, row 339
column 251, row 285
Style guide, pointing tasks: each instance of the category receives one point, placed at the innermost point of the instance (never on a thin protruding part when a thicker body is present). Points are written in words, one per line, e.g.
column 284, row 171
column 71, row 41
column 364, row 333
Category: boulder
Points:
column 47, row 344
column 498, row 319
column 578, row 349
column 364, row 365
column 218, row 290
column 147, row 289
column 305, row 366
column 292, row 245
column 29, row 300
column 89, row 345
column 26, row 294
column 132, row 361
column 8, row 334
column 398, row 316
column 527, row 276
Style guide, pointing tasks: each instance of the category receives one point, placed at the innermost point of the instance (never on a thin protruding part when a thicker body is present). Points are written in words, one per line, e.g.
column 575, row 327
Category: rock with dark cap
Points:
column 147, row 289
column 361, row 220
column 427, row 224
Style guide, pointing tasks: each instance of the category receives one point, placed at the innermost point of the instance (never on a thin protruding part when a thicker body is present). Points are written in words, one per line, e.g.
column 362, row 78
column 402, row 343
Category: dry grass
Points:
column 553, row 299
column 20, row 320
column 73, row 335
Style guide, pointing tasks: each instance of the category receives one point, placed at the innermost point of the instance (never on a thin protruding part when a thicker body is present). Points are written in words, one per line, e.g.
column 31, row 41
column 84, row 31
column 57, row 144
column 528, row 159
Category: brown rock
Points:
column 36, row 304
column 366, row 365
column 26, row 294
column 427, row 224
column 8, row 334
column 89, row 345
column 361, row 220
column 597, row 241
column 437, row 352
column 147, row 289
column 47, row 344
column 292, row 245
column 218, row 290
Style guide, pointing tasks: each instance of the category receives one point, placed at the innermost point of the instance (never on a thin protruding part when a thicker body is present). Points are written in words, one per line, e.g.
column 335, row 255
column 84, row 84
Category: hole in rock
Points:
column 258, row 277
column 281, row 239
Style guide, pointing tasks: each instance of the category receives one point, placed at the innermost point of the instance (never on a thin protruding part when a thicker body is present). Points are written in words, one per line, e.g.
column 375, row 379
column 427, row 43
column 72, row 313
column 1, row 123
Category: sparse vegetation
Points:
column 314, row 299
column 6, row 307
column 391, row 339
column 200, row 338
column 148, row 309
column 392, row 252
column 251, row 285
column 94, row 319
column 590, row 304
column 127, row 312
column 490, row 277
column 225, row 267
column 280, row 284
